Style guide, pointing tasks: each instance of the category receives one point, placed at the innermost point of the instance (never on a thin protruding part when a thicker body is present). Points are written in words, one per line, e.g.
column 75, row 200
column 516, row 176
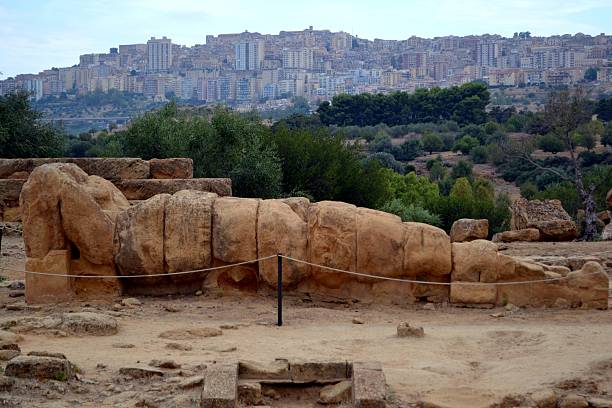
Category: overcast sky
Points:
column 39, row 34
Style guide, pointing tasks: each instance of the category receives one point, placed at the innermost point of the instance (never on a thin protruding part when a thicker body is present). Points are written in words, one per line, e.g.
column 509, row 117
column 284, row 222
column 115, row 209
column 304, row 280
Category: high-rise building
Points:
column 159, row 54
column 249, row 55
column 487, row 53
column 301, row 59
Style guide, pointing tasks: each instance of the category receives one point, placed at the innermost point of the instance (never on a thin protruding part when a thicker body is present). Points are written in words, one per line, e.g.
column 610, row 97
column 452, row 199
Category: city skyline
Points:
column 36, row 38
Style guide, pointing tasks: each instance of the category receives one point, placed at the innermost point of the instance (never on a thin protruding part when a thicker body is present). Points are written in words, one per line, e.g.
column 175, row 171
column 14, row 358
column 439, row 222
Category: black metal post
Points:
column 279, row 289
column 1, row 231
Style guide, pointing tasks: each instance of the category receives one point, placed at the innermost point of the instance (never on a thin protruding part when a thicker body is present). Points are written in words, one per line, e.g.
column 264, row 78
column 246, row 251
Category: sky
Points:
column 40, row 34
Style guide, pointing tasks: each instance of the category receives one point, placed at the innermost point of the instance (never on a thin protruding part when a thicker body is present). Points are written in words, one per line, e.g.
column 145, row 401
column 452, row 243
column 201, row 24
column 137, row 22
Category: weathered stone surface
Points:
column 427, row 250
column 466, row 229
column 405, row 330
column 599, row 402
column 89, row 323
column 548, row 216
column 573, row 401
column 332, row 237
column 191, row 333
column 251, row 370
column 609, row 199
column 39, row 368
column 380, row 244
column 522, row 235
column 473, row 293
column 544, row 399
column 586, row 288
column 191, row 382
column 318, row 371
column 299, row 205
column 108, row 168
column 220, row 387
column 188, row 232
column 147, row 188
column 281, row 230
column 335, row 393
column 10, row 337
column 471, row 259
column 249, row 393
column 6, row 383
column 175, row 168
column 368, row 388
column 10, row 189
column 6, row 355
column 45, row 288
column 139, row 244
column 47, row 354
column 140, row 372
column 235, row 229
column 606, row 234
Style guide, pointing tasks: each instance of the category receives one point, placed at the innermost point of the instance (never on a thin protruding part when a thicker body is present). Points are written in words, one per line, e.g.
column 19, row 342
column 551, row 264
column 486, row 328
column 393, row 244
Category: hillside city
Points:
column 248, row 69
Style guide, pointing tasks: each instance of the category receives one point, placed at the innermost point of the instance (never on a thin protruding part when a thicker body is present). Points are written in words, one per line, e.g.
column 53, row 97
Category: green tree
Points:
column 21, row 132
column 590, row 74
column 463, row 169
column 551, row 143
column 432, row 142
column 465, row 144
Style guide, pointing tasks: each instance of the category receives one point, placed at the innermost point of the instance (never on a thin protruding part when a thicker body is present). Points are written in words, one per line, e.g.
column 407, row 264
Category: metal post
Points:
column 279, row 289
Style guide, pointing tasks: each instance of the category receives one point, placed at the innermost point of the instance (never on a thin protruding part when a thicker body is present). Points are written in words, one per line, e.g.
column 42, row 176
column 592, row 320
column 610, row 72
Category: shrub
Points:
column 465, row 144
column 410, row 212
column 478, row 154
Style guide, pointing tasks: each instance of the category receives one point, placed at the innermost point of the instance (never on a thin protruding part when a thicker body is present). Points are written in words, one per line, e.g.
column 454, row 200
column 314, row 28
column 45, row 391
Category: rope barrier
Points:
column 289, row 258
column 431, row 283
column 159, row 275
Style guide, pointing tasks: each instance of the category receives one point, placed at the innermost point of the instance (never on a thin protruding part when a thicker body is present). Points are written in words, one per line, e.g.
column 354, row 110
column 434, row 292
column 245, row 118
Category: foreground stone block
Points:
column 145, row 189
column 49, row 289
column 471, row 259
column 175, row 168
column 48, row 368
column 369, row 388
column 277, row 370
column 220, row 387
column 466, row 229
column 318, row 371
column 109, row 168
column 547, row 216
column 10, row 189
column 473, row 293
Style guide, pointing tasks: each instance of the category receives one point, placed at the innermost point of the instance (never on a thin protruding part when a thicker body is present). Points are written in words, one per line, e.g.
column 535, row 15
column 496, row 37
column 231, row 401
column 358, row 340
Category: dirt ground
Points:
column 468, row 358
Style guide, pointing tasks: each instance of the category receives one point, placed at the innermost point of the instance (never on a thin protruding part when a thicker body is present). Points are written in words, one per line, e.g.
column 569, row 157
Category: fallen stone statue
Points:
column 83, row 226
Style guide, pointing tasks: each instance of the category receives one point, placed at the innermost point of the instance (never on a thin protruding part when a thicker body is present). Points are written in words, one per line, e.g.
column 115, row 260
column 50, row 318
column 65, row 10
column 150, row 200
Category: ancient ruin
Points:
column 82, row 224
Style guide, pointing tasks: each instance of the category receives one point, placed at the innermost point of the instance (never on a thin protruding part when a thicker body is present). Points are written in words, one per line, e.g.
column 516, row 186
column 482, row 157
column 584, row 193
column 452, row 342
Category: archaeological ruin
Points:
column 81, row 224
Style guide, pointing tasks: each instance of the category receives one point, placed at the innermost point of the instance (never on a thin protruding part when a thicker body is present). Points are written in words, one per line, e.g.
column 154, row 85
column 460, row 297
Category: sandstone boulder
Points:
column 281, row 230
column 427, row 250
column 606, row 234
column 473, row 293
column 471, row 259
column 299, row 205
column 10, row 189
column 235, row 229
column 548, row 216
column 522, row 235
column 147, row 188
column 139, row 238
column 175, row 168
column 332, row 237
column 466, row 229
column 188, row 232
column 380, row 244
column 108, row 168
column 49, row 289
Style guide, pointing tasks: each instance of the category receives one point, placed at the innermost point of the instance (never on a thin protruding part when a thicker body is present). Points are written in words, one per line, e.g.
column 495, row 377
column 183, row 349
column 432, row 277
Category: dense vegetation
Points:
column 359, row 149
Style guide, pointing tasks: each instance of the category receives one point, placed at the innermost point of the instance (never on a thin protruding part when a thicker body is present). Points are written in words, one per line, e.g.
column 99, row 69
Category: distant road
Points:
column 54, row 119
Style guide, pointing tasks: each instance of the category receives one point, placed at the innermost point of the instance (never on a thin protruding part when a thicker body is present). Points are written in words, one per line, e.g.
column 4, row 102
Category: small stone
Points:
column 16, row 285
column 561, row 303
column 40, row 367
column 172, row 308
column 191, row 333
column 357, row 320
column 117, row 307
column 10, row 337
column 123, row 345
column 429, row 306
column 140, row 372
column 191, row 382
column 16, row 293
column 405, row 330
column 271, row 393
column 131, row 302
column 169, row 364
column 15, row 307
column 335, row 393
column 179, row 346
column 512, row 308
column 228, row 327
column 573, row 401
column 198, row 293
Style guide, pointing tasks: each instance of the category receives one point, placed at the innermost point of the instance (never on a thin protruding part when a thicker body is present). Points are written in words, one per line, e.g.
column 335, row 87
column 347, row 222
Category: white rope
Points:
column 160, row 275
column 365, row 275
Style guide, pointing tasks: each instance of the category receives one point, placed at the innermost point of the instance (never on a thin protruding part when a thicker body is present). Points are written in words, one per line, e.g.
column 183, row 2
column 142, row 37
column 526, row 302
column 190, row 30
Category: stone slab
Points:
column 220, row 386
column 119, row 168
column 146, row 188
column 369, row 388
column 318, row 371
